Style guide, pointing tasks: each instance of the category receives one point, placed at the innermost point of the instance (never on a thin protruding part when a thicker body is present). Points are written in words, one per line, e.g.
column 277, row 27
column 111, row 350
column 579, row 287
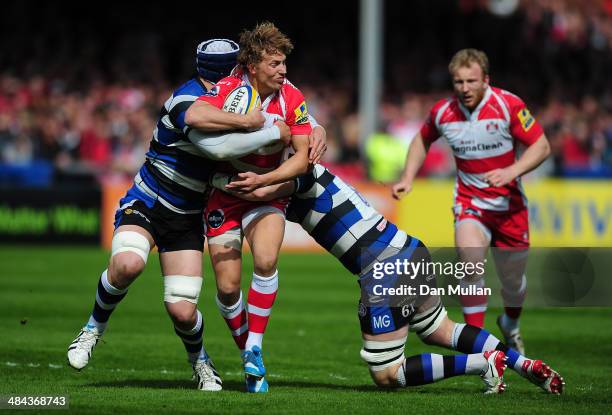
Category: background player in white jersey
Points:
column 262, row 64
column 164, row 208
column 483, row 126
column 342, row 221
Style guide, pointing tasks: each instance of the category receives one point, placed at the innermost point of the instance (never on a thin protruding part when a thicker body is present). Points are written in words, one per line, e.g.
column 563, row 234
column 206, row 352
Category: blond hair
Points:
column 465, row 57
column 264, row 38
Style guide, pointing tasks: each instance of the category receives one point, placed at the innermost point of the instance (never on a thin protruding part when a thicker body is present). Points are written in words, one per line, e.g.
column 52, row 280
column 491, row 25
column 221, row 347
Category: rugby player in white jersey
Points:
column 484, row 125
column 342, row 221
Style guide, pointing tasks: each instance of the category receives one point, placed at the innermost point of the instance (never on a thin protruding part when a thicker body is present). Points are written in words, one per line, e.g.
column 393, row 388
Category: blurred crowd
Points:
column 102, row 132
column 558, row 59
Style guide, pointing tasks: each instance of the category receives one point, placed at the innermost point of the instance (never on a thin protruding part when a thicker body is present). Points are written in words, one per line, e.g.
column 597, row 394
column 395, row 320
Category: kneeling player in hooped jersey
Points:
column 341, row 221
column 261, row 64
column 482, row 125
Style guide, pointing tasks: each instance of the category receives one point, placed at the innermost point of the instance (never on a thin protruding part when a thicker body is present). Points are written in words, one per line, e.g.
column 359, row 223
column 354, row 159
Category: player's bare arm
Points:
column 206, row 117
column 414, row 160
column 533, row 156
column 268, row 193
column 285, row 132
column 318, row 144
column 295, row 166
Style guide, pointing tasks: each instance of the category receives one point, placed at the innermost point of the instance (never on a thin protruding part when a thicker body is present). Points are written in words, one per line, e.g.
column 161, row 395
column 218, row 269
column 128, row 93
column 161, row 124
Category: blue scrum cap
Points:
column 215, row 58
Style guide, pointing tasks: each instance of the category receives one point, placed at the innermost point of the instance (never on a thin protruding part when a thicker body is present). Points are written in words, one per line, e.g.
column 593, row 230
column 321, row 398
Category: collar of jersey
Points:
column 266, row 102
column 472, row 116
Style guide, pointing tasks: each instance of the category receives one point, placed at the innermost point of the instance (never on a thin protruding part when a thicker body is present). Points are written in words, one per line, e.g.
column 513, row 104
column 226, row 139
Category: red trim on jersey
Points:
column 528, row 133
column 429, row 131
column 220, row 91
column 296, row 115
column 485, row 164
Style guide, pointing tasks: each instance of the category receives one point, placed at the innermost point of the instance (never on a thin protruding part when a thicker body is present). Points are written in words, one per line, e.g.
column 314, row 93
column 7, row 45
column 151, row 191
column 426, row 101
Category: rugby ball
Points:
column 241, row 100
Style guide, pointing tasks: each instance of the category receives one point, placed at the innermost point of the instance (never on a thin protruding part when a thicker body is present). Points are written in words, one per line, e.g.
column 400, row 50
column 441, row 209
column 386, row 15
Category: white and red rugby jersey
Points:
column 288, row 103
column 481, row 141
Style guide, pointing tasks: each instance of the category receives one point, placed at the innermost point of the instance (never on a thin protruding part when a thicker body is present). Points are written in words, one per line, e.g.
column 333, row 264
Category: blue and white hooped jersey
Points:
column 175, row 173
column 343, row 222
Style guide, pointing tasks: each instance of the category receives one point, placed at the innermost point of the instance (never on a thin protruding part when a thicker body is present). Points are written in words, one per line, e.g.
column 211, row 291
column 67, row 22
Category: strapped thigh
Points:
column 424, row 323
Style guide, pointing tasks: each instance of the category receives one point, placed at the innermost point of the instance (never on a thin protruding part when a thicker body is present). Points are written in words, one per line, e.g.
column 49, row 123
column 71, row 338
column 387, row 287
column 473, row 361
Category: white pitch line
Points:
column 162, row 371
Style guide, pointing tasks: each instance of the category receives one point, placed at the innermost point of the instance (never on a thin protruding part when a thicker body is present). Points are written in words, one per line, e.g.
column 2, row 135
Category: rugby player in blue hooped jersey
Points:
column 342, row 221
column 164, row 207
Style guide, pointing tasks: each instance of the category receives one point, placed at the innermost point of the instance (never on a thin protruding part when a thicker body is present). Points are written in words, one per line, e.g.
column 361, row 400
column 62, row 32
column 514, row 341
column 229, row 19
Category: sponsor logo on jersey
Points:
column 478, row 147
column 215, row 218
column 526, row 119
column 301, row 114
column 226, row 82
column 130, row 211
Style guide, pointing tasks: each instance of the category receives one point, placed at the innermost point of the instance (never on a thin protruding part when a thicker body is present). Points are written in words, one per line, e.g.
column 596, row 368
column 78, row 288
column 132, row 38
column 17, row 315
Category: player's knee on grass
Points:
column 386, row 378
column 383, row 359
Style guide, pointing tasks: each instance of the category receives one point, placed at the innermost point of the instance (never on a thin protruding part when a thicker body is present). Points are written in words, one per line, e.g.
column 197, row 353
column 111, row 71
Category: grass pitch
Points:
column 311, row 347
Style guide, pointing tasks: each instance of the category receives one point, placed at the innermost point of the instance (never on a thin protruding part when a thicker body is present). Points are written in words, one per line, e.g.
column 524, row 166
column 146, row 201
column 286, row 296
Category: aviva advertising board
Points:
column 561, row 213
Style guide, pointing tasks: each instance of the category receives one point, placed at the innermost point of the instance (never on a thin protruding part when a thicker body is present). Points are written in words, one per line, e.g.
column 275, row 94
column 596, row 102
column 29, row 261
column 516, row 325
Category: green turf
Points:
column 311, row 347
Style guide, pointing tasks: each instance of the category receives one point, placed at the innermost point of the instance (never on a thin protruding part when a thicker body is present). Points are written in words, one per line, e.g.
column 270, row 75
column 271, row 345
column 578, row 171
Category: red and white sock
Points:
column 474, row 306
column 236, row 318
column 261, row 298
